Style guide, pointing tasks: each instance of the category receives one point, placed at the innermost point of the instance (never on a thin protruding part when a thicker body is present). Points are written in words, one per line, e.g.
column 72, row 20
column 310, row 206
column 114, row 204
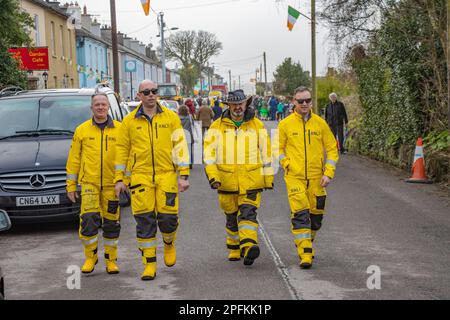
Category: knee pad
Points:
column 316, row 221
column 301, row 220
column 146, row 225
column 232, row 223
column 167, row 223
column 111, row 229
column 247, row 212
column 90, row 223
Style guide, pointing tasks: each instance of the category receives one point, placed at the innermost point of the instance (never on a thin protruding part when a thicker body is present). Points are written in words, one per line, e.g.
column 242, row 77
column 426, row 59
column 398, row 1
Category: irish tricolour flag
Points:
column 146, row 6
column 292, row 17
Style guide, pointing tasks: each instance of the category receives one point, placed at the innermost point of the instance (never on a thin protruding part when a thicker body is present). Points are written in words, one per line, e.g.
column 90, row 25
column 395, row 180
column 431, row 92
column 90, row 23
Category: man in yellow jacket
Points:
column 303, row 139
column 237, row 159
column 91, row 163
column 153, row 144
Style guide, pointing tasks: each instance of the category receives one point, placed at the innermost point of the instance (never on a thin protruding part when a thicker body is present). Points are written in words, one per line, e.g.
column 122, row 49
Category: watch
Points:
column 184, row 177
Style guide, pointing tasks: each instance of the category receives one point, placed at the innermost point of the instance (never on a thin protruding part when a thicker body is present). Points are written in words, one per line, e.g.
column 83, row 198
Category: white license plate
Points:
column 37, row 201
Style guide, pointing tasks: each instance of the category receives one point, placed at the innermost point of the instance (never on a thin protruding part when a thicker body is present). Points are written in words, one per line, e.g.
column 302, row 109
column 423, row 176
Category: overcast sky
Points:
column 246, row 29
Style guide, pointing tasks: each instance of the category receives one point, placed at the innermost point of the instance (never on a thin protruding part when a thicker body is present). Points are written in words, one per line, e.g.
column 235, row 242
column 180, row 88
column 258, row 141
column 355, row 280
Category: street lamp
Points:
column 45, row 76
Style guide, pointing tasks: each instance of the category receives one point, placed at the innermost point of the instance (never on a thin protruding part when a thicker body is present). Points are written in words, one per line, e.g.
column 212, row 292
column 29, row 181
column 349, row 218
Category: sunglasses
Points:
column 146, row 92
column 301, row 101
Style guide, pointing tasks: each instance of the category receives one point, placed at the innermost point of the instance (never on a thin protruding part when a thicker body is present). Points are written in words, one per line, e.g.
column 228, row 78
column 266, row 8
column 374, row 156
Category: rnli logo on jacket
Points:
column 112, row 139
column 138, row 128
column 91, row 138
column 315, row 133
column 163, row 126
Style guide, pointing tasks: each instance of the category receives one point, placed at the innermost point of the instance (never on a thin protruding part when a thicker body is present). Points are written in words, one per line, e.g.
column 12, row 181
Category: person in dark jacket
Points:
column 273, row 103
column 336, row 117
column 217, row 110
column 187, row 122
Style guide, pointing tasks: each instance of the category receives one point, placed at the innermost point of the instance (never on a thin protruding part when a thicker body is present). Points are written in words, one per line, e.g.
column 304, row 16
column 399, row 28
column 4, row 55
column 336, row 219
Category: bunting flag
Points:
column 146, row 6
column 293, row 15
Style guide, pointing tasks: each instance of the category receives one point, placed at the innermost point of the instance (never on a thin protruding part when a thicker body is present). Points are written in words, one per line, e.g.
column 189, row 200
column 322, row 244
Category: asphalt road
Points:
column 373, row 219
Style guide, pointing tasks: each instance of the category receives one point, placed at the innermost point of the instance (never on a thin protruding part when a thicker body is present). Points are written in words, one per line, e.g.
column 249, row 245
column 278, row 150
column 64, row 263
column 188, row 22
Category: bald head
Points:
column 147, row 84
column 148, row 94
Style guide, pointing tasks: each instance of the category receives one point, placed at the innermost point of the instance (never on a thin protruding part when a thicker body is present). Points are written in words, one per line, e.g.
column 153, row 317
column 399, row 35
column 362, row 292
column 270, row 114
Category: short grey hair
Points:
column 332, row 95
column 99, row 93
column 302, row 89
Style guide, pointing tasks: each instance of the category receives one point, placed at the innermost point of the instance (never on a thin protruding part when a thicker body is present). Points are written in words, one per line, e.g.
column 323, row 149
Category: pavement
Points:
column 374, row 222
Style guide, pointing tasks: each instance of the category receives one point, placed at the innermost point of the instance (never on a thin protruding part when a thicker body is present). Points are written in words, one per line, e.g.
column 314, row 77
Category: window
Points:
column 108, row 71
column 70, row 44
column 90, row 56
column 52, row 37
column 96, row 58
column 61, row 34
column 37, row 40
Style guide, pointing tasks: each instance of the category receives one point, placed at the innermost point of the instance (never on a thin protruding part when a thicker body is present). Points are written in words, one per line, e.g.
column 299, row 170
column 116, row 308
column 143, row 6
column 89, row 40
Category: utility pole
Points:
column 260, row 72
column 448, row 72
column 313, row 54
column 163, row 53
column 265, row 74
column 239, row 81
column 115, row 50
column 229, row 77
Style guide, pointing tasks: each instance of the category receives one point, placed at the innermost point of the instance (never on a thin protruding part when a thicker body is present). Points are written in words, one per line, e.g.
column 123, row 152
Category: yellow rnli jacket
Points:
column 307, row 150
column 151, row 146
column 92, row 154
column 238, row 157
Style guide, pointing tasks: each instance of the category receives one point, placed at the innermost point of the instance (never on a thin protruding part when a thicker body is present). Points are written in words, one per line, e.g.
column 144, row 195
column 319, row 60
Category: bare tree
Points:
column 193, row 50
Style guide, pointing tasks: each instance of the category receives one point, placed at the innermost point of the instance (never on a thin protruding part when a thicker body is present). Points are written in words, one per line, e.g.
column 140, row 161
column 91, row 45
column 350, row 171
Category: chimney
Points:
column 86, row 20
column 134, row 45
column 105, row 32
column 95, row 28
column 85, row 10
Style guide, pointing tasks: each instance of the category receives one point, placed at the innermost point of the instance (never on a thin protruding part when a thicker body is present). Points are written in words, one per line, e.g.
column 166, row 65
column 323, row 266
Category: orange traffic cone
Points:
column 418, row 169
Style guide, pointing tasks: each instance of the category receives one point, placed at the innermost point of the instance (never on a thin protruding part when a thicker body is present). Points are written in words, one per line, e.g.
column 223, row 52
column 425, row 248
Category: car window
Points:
column 115, row 108
column 64, row 112
column 18, row 115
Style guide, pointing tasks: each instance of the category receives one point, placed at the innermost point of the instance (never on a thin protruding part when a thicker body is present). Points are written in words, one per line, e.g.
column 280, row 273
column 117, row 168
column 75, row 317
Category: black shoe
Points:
column 252, row 254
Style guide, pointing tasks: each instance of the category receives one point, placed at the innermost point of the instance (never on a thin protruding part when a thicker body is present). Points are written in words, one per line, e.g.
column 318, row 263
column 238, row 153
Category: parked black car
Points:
column 36, row 130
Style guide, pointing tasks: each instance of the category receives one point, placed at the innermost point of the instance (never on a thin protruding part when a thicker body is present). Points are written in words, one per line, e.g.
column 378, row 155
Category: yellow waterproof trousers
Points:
column 99, row 209
column 154, row 204
column 241, row 224
column 307, row 201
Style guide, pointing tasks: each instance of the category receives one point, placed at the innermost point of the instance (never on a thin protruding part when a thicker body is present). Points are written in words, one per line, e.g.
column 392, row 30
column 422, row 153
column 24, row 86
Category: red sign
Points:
column 31, row 59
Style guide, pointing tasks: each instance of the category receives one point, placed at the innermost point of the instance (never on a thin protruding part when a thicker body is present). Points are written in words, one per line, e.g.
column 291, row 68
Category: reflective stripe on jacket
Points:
column 302, row 146
column 151, row 146
column 91, row 155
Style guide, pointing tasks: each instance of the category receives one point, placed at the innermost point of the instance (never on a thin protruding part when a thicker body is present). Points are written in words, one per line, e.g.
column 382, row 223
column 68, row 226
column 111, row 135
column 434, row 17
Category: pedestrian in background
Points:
column 217, row 110
column 93, row 147
column 188, row 125
column 302, row 139
column 280, row 110
column 190, row 104
column 205, row 114
column 273, row 104
column 336, row 117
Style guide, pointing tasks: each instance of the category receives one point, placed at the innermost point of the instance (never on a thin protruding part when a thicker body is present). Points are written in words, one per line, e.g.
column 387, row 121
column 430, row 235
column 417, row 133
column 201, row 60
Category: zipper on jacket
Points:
column 101, row 163
column 134, row 163
column 151, row 145
column 309, row 136
column 306, row 156
column 106, row 142
column 156, row 128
